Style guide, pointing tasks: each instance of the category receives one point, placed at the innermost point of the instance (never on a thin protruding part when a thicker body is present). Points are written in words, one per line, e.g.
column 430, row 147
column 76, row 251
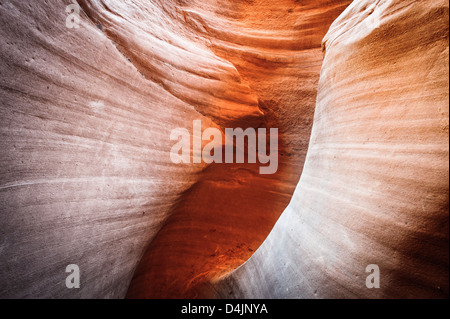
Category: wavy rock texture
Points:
column 86, row 176
column 86, row 118
column 374, row 189
column 225, row 217
column 85, row 173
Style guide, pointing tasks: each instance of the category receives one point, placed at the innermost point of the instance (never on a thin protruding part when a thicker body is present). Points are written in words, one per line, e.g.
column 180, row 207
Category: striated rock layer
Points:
column 374, row 189
column 86, row 177
column 223, row 219
column 85, row 173
column 86, row 117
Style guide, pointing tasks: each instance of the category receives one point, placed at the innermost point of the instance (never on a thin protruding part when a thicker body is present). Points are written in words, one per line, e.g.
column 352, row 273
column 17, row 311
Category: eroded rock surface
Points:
column 223, row 219
column 374, row 189
column 86, row 176
column 86, row 118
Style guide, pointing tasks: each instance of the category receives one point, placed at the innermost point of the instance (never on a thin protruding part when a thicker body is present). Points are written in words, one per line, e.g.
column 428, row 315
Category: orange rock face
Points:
column 86, row 176
column 223, row 219
column 374, row 189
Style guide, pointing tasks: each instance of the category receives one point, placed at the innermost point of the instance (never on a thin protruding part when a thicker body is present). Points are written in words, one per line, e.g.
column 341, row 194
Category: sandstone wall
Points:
column 86, row 177
column 374, row 189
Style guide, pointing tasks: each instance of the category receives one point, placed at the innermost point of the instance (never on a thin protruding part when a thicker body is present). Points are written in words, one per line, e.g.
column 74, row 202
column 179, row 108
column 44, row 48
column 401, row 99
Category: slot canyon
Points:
column 91, row 91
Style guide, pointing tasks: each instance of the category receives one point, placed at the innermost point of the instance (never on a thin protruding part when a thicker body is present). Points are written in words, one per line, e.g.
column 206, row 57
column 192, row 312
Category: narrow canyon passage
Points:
column 93, row 90
column 218, row 223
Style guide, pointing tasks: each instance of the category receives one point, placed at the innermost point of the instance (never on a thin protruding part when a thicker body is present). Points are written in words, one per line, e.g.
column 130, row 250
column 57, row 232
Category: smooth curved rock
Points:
column 86, row 176
column 374, row 189
column 86, row 118
column 223, row 219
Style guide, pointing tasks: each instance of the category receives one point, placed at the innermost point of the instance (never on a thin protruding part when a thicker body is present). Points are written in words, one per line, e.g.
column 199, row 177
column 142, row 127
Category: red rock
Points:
column 86, row 176
column 374, row 189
